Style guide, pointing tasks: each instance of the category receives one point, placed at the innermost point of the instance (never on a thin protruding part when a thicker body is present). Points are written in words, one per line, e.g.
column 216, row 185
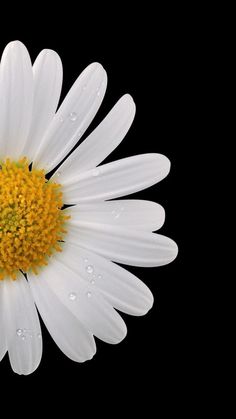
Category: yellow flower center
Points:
column 31, row 219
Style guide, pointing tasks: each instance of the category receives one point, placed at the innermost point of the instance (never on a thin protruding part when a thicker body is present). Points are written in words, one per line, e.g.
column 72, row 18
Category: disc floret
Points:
column 32, row 223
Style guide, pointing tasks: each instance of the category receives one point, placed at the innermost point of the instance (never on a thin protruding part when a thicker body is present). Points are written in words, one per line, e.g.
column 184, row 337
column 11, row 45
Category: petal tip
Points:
column 173, row 251
column 119, row 337
column 48, row 51
column 96, row 65
column 163, row 164
column 128, row 98
column 148, row 304
column 16, row 45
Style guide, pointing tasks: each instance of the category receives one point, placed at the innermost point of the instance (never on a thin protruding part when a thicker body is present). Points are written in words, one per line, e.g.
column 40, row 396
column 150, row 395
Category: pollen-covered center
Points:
column 31, row 220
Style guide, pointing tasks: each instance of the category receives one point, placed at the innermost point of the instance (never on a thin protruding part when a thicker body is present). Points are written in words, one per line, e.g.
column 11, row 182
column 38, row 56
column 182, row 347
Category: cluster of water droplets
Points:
column 92, row 280
column 91, row 271
column 23, row 334
column 73, row 116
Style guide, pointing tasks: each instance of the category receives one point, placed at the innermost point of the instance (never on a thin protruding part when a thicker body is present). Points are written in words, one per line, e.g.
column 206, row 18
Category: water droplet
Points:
column 19, row 332
column 99, row 276
column 98, row 93
column 85, row 260
column 89, row 294
column 72, row 296
column 23, row 337
column 39, row 335
column 58, row 174
column 96, row 172
column 73, row 116
column 92, row 281
column 89, row 269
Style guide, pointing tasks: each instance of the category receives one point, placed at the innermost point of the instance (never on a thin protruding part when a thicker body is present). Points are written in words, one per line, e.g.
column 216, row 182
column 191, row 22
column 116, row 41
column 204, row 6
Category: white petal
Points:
column 123, row 290
column 24, row 339
column 91, row 310
column 123, row 245
column 112, row 180
column 47, row 72
column 73, row 117
column 3, row 341
column 68, row 333
column 102, row 141
column 139, row 214
column 16, row 93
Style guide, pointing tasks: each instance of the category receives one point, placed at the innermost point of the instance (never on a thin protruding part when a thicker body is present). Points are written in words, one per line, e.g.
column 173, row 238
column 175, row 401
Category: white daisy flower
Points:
column 62, row 260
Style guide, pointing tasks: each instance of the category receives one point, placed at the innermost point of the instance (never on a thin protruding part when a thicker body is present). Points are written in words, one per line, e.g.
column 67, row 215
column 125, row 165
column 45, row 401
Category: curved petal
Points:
column 122, row 245
column 3, row 341
column 101, row 142
column 139, row 214
column 47, row 73
column 119, row 287
column 24, row 338
column 16, row 93
column 88, row 306
column 68, row 333
column 73, row 117
column 112, row 180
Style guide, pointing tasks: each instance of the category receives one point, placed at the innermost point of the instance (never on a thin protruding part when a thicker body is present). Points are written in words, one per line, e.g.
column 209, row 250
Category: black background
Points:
column 146, row 58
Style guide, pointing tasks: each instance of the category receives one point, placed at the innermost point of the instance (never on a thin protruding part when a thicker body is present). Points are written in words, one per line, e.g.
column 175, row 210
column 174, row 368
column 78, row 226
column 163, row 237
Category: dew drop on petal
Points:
column 89, row 294
column 23, row 337
column 89, row 269
column 19, row 332
column 73, row 116
column 92, row 281
column 39, row 335
column 72, row 296
column 99, row 276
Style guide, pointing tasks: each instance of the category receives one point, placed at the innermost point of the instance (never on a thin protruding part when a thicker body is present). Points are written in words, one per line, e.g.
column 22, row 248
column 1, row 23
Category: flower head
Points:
column 56, row 257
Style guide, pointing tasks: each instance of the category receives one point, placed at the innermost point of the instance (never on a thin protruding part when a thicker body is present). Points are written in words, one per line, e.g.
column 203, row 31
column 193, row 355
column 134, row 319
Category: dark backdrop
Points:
column 143, row 58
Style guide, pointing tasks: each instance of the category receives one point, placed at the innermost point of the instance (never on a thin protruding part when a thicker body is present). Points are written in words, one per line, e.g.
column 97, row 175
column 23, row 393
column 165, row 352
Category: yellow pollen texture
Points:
column 31, row 219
